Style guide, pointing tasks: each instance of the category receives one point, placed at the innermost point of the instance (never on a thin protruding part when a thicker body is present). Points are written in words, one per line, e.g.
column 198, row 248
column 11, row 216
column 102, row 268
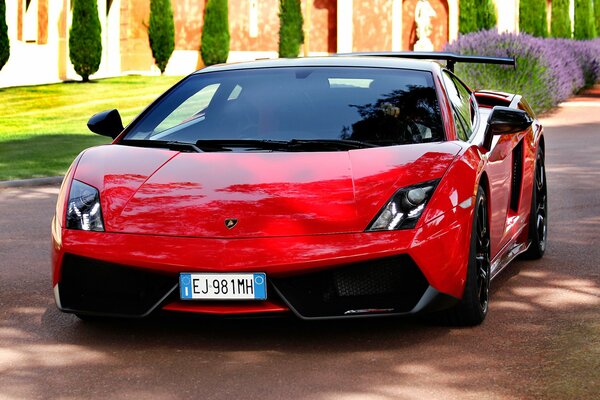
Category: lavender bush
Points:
column 548, row 70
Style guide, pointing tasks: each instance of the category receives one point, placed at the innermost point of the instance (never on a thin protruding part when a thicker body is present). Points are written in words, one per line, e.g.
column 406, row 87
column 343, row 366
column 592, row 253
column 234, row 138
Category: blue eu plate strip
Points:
column 260, row 286
column 185, row 286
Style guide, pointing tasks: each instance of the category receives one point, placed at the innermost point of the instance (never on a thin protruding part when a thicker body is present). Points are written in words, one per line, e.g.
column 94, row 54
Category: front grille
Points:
column 394, row 284
column 88, row 285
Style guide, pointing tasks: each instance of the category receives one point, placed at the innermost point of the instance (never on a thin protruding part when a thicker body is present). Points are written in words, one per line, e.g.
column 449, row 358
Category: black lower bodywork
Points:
column 385, row 286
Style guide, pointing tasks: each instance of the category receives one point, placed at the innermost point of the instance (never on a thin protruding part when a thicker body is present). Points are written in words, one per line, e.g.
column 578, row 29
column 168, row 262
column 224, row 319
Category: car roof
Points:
column 331, row 61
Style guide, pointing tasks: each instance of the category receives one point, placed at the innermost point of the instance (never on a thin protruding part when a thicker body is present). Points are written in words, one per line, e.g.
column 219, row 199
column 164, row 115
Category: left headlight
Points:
column 404, row 208
column 83, row 208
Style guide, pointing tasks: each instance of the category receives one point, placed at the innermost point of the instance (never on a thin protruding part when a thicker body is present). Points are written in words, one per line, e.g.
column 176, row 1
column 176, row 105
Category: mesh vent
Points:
column 393, row 283
column 367, row 282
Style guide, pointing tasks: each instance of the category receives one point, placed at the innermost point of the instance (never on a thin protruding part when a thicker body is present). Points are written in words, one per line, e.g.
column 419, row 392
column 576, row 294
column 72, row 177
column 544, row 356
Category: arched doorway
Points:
column 439, row 35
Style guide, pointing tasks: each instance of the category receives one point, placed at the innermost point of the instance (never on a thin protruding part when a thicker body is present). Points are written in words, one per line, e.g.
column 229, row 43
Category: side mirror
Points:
column 505, row 121
column 106, row 123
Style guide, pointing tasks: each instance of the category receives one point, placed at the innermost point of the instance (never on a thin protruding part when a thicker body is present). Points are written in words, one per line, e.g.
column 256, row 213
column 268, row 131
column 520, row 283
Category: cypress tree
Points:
column 467, row 16
column 532, row 17
column 291, row 35
column 4, row 42
column 474, row 16
column 486, row 15
column 215, row 33
column 584, row 20
column 161, row 32
column 85, row 42
column 560, row 23
column 597, row 16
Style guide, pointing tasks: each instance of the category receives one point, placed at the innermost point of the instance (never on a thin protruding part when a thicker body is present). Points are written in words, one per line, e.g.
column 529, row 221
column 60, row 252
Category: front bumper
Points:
column 321, row 276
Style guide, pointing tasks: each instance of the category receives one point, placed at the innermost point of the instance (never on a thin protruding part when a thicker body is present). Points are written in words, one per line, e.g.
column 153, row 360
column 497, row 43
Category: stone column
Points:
column 344, row 26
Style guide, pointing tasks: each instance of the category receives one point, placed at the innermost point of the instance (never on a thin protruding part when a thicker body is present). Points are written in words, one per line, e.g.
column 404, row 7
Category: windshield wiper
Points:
column 282, row 145
column 227, row 144
column 214, row 145
column 341, row 144
column 164, row 144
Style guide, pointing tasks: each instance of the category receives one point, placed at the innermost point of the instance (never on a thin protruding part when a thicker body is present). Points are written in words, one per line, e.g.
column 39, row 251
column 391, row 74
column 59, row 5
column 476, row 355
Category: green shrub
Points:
column 560, row 23
column 532, row 17
column 85, row 42
column 4, row 42
column 486, row 15
column 584, row 20
column 597, row 16
column 474, row 17
column 467, row 16
column 215, row 33
column 161, row 32
column 291, row 35
column 548, row 70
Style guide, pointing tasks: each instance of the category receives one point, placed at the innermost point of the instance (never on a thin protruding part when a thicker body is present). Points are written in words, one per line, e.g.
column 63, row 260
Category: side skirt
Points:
column 508, row 253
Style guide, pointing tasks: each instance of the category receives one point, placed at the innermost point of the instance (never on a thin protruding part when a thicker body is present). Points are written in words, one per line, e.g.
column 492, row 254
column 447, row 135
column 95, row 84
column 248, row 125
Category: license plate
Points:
column 208, row 286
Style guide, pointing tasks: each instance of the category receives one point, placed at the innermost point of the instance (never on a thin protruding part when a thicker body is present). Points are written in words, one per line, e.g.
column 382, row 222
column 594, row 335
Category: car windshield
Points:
column 307, row 107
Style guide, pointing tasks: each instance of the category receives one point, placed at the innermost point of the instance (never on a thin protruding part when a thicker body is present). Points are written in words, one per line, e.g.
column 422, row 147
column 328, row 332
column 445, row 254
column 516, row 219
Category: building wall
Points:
column 372, row 25
column 136, row 55
column 34, row 42
column 323, row 26
column 39, row 33
column 187, row 15
column 267, row 31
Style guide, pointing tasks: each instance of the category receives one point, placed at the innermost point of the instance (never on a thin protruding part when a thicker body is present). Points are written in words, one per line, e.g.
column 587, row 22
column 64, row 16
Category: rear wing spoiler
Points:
column 450, row 58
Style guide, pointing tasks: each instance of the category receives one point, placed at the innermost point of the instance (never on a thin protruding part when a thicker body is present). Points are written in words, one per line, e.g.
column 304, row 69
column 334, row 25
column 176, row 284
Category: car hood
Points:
column 163, row 192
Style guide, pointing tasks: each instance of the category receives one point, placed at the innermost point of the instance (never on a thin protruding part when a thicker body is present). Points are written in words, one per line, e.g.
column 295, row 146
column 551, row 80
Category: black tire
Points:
column 473, row 307
column 538, row 217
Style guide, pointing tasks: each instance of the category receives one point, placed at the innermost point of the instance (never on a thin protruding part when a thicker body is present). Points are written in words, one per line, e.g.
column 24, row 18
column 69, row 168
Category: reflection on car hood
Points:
column 162, row 192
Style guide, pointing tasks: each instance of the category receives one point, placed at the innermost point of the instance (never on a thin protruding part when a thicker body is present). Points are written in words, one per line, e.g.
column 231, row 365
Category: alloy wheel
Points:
column 482, row 256
column 541, row 206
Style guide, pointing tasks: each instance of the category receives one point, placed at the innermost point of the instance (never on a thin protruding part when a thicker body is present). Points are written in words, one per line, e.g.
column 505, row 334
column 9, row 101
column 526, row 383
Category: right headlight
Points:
column 83, row 208
column 404, row 208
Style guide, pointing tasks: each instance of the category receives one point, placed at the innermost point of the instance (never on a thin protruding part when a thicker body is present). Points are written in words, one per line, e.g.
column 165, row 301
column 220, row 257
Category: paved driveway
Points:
column 541, row 339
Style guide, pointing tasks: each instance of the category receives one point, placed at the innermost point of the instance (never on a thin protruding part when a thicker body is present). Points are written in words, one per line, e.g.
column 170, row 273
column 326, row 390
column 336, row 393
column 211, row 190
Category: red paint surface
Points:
column 283, row 256
column 227, row 308
column 146, row 191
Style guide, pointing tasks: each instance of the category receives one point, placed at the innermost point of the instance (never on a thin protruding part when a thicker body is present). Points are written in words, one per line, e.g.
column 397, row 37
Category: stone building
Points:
column 39, row 29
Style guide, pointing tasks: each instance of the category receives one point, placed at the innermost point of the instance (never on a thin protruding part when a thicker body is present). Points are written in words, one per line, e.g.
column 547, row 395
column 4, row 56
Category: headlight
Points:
column 83, row 208
column 405, row 208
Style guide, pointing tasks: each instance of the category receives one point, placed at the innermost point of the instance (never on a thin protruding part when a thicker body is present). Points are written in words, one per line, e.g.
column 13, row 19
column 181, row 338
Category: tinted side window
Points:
column 464, row 113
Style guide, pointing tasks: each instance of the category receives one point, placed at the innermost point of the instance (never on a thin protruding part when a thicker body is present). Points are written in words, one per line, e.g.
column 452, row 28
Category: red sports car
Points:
column 345, row 186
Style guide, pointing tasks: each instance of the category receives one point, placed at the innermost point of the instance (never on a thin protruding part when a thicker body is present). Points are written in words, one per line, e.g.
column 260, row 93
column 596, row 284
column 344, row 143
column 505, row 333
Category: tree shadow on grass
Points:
column 43, row 155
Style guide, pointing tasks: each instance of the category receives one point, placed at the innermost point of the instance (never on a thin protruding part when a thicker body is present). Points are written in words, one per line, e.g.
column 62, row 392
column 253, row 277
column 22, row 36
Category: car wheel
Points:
column 538, row 218
column 473, row 307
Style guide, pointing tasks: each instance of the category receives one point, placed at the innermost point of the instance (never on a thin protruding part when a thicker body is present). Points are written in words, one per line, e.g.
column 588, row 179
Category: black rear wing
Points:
column 450, row 58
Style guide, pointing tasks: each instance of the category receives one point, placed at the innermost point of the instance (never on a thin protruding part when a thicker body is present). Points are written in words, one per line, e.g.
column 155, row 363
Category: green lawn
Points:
column 43, row 128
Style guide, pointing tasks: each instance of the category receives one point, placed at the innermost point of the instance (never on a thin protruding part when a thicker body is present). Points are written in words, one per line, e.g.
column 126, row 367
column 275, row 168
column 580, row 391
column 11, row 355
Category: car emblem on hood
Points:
column 231, row 222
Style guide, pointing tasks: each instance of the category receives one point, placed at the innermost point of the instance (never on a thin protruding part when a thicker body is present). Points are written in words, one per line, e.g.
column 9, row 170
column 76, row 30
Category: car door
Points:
column 500, row 158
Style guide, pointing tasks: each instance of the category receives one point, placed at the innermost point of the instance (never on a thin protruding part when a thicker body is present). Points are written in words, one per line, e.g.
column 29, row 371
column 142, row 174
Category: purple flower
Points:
column 548, row 70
